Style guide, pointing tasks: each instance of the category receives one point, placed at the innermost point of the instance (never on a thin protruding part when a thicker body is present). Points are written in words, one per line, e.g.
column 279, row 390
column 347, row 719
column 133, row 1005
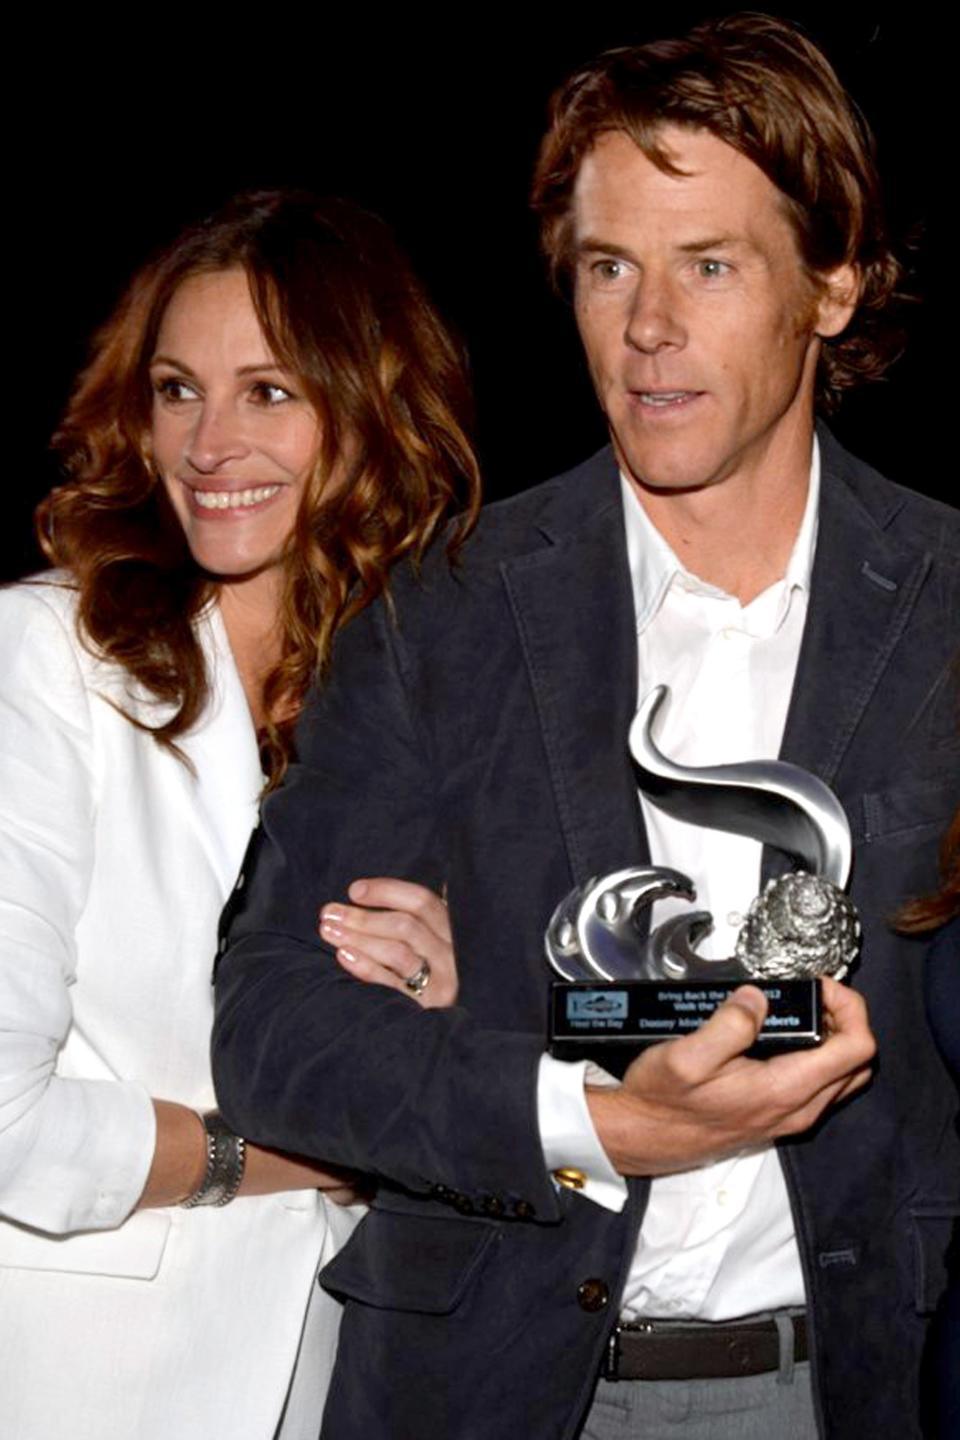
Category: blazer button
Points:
column 593, row 1295
column 524, row 1210
column 463, row 1205
column 492, row 1205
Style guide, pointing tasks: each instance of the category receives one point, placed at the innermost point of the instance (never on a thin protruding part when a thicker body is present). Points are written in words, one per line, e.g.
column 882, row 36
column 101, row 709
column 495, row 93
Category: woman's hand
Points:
column 393, row 933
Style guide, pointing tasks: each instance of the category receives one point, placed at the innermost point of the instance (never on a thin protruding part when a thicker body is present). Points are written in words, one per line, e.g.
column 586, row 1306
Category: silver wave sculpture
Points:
column 767, row 800
column 802, row 924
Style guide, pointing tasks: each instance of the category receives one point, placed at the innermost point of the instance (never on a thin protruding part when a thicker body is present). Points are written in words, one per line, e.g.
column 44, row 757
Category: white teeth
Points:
column 664, row 397
column 233, row 499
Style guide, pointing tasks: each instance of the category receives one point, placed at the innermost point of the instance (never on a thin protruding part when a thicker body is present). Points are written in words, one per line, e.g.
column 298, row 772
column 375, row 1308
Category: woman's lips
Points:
column 230, row 501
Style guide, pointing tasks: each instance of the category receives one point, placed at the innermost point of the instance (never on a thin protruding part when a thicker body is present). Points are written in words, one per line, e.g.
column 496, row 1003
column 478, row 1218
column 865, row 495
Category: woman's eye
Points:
column 266, row 393
column 169, row 387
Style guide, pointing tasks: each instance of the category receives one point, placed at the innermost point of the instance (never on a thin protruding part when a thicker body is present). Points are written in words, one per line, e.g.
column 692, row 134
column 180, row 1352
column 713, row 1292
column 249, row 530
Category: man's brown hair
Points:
column 758, row 84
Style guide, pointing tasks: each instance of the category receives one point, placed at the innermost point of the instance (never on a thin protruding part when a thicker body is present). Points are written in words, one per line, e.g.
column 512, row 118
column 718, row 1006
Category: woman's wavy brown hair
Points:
column 929, row 912
column 762, row 87
column 341, row 309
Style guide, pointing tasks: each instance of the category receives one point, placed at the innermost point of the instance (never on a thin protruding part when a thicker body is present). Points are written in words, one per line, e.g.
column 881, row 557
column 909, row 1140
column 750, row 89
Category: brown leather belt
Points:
column 699, row 1350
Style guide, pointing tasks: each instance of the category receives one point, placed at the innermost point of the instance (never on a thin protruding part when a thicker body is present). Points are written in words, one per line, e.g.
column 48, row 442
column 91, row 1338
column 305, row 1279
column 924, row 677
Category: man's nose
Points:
column 655, row 320
column 217, row 438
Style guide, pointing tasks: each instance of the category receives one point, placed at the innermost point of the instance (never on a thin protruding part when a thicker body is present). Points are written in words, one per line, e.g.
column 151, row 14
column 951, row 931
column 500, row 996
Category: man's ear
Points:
column 837, row 300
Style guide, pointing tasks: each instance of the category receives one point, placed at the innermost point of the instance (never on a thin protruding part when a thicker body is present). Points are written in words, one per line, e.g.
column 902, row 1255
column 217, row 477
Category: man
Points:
column 713, row 201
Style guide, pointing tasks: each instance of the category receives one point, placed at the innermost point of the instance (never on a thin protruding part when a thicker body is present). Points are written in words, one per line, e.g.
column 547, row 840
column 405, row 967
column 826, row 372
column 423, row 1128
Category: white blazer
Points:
column 115, row 861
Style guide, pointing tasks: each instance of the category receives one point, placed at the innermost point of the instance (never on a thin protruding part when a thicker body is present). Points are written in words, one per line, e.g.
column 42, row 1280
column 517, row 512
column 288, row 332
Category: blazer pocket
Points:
column 398, row 1261
column 134, row 1251
column 935, row 1240
column 888, row 813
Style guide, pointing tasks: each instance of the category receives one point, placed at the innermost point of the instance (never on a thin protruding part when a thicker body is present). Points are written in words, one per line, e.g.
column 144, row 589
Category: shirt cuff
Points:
column 568, row 1136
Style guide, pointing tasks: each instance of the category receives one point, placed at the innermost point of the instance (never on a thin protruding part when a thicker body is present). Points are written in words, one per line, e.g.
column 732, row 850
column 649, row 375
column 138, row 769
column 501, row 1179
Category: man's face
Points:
column 700, row 325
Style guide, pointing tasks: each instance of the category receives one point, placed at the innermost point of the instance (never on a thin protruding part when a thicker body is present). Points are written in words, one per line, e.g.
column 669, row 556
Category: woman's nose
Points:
column 217, row 437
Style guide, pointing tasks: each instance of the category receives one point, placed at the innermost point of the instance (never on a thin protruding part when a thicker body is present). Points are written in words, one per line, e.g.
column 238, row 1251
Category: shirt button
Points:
column 723, row 1197
column 593, row 1295
column 734, row 918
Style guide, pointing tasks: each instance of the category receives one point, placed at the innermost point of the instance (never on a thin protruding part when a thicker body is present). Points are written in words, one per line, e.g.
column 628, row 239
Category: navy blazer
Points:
column 480, row 740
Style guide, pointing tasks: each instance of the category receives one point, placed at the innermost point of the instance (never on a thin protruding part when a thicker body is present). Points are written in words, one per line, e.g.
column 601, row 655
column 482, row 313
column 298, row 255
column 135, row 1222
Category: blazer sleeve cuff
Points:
column 85, row 1162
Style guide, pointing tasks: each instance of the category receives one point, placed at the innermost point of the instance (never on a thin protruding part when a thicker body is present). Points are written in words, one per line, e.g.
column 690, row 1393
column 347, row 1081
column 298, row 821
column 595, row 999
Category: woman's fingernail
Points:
column 332, row 932
column 357, row 890
column 333, row 914
column 347, row 955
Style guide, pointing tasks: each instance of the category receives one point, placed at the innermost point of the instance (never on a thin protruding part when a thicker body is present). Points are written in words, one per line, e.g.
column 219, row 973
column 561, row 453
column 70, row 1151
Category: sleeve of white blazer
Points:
column 74, row 1153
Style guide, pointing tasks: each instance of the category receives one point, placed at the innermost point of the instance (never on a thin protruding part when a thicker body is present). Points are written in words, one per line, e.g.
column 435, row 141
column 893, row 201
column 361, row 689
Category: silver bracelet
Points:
column 226, row 1157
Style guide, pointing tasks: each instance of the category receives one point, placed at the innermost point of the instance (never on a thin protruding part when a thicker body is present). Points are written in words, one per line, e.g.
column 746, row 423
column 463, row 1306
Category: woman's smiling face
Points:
column 232, row 436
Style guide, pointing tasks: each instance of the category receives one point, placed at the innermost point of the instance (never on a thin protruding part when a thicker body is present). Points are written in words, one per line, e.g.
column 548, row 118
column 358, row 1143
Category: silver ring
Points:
column 420, row 979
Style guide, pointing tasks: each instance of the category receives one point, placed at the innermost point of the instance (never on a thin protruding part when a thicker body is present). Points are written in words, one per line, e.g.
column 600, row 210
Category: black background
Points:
column 435, row 125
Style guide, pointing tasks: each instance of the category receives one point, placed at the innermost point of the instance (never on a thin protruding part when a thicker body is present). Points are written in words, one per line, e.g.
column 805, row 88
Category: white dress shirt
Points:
column 718, row 1241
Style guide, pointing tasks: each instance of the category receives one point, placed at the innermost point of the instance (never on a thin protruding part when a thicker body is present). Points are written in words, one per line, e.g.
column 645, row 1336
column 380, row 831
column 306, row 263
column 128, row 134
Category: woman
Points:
column 271, row 419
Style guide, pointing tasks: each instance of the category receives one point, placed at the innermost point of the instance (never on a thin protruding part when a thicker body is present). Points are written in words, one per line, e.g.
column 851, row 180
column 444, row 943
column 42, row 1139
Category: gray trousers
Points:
column 754, row 1407
column 750, row 1407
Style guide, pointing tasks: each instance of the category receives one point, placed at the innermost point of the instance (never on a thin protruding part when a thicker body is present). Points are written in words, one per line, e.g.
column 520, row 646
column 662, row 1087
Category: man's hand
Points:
column 690, row 1101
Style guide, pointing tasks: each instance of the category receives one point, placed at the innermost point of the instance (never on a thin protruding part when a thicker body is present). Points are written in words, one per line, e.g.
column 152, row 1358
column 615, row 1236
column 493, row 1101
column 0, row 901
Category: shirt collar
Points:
column 654, row 565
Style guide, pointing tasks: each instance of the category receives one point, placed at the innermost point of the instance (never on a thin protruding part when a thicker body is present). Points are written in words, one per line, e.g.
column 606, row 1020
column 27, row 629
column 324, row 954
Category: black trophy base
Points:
column 611, row 1022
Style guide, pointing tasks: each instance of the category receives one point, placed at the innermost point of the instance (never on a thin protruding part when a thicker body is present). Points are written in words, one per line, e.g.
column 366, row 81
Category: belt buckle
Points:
column 610, row 1369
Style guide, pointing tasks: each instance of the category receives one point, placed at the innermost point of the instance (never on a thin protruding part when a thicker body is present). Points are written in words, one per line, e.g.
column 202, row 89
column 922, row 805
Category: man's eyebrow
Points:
column 593, row 245
column 712, row 242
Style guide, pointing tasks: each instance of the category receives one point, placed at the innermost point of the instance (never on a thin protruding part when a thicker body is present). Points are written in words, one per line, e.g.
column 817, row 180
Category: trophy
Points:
column 621, row 988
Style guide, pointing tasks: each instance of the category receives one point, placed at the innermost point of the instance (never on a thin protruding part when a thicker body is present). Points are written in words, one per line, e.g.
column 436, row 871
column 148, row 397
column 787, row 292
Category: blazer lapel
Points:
column 863, row 590
column 573, row 607
column 221, row 796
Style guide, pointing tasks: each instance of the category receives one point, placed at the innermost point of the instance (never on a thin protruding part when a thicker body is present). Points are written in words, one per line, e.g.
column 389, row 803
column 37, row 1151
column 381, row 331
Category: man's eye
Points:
column 606, row 270
column 266, row 393
column 713, row 269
